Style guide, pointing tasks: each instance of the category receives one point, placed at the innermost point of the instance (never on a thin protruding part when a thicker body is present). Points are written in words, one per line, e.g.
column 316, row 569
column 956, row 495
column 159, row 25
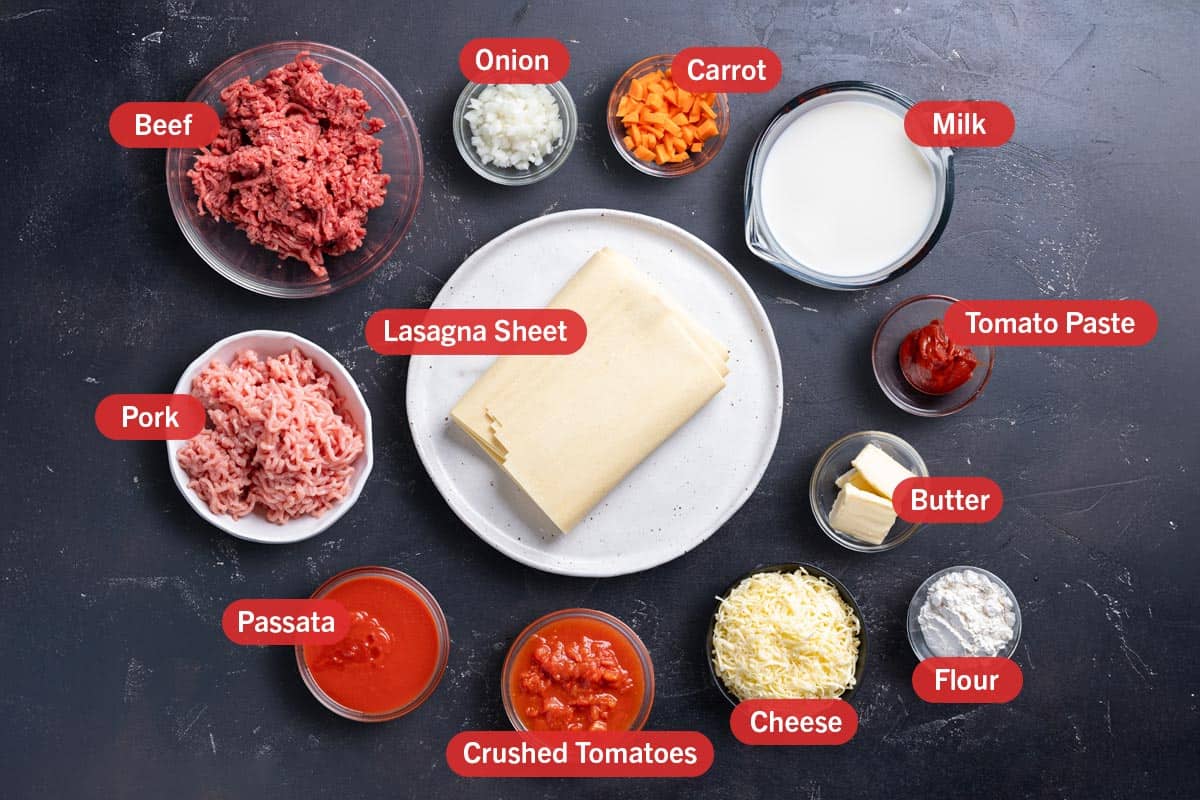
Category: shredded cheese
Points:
column 786, row 635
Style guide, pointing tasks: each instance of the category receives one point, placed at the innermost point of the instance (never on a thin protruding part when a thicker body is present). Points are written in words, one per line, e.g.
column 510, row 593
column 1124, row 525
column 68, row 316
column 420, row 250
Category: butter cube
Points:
column 864, row 515
column 880, row 470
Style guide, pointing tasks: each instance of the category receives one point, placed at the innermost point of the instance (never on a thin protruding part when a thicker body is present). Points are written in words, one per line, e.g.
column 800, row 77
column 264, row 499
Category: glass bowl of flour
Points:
column 964, row 611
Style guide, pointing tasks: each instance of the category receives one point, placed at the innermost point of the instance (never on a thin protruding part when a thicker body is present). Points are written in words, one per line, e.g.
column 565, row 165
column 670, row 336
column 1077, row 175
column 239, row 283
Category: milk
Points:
column 844, row 192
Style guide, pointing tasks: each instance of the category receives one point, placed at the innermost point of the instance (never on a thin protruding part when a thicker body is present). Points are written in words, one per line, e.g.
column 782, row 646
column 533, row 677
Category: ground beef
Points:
column 296, row 164
column 277, row 436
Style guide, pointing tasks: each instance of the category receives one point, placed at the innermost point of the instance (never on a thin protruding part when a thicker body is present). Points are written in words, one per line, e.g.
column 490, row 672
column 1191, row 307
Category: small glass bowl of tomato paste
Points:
column 908, row 316
column 611, row 677
column 394, row 654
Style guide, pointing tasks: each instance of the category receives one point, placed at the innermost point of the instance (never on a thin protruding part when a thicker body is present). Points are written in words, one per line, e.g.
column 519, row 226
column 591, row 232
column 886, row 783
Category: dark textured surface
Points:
column 117, row 680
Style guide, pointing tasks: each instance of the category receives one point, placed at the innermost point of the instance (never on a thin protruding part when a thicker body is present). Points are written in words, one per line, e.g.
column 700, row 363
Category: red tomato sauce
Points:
column 390, row 655
column 577, row 674
column 933, row 364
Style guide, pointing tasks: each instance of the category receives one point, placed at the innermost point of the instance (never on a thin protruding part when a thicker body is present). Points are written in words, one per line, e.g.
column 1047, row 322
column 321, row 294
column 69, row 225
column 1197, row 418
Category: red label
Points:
column 967, row 680
column 273, row 621
column 794, row 722
column 163, row 124
column 1041, row 323
column 476, row 331
column 607, row 754
column 947, row 499
column 959, row 123
column 726, row 69
column 157, row 417
column 514, row 60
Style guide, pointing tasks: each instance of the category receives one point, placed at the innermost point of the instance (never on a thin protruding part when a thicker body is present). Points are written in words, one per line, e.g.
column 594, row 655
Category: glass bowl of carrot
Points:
column 660, row 128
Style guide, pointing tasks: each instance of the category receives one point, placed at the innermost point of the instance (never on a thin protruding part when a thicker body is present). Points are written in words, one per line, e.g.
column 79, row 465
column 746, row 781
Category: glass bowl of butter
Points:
column 851, row 490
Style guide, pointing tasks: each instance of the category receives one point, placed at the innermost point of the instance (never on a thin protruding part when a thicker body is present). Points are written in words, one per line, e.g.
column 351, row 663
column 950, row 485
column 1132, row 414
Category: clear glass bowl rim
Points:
column 918, row 600
column 439, row 619
column 616, row 624
column 179, row 198
column 899, row 402
column 570, row 114
column 822, row 515
column 785, row 263
column 616, row 133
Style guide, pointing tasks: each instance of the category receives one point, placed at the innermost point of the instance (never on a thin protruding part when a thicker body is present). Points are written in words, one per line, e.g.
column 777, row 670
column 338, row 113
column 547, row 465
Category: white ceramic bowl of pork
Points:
column 255, row 527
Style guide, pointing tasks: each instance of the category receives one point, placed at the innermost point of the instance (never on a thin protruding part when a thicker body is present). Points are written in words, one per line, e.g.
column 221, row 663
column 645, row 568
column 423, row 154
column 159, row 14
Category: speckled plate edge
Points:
column 624, row 563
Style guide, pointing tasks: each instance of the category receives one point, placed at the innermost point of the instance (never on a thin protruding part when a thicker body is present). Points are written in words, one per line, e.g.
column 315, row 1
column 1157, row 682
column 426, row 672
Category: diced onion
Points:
column 514, row 125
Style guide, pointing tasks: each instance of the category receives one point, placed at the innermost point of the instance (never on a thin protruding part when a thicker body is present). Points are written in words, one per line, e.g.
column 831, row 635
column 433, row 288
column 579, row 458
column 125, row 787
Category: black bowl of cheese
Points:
column 776, row 605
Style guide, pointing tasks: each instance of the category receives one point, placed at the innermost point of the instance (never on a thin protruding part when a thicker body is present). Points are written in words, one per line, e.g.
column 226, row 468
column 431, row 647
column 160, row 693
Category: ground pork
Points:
column 277, row 436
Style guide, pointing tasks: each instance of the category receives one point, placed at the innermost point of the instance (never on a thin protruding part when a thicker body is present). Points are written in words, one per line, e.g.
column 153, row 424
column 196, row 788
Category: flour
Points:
column 966, row 614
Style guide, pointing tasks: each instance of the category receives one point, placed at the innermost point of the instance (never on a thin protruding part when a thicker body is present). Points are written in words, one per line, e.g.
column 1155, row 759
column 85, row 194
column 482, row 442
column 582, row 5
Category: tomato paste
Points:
column 933, row 364
column 578, row 674
column 392, row 653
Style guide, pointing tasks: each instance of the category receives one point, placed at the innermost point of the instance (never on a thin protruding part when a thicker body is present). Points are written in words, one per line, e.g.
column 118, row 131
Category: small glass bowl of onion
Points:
column 560, row 146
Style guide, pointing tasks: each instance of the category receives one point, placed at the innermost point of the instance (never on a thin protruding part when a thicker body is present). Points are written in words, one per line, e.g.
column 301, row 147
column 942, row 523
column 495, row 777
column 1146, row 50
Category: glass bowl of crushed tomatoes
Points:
column 226, row 247
column 393, row 655
column 578, row 670
column 919, row 367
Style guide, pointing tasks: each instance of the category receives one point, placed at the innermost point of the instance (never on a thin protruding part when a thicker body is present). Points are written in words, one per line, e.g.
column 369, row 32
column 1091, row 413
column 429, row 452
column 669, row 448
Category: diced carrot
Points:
column 663, row 122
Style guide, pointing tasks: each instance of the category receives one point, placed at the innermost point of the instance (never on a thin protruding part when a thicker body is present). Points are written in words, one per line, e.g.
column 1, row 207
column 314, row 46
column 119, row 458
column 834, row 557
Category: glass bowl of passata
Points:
column 919, row 367
column 578, row 670
column 394, row 654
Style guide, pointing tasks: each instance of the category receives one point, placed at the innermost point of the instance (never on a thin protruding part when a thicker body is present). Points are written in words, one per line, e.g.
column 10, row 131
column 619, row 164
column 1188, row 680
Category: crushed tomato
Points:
column 578, row 674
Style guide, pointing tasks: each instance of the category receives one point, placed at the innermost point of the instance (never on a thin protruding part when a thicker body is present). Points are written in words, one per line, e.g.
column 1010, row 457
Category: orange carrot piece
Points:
column 697, row 147
column 628, row 142
column 708, row 130
column 707, row 110
column 645, row 154
column 660, row 154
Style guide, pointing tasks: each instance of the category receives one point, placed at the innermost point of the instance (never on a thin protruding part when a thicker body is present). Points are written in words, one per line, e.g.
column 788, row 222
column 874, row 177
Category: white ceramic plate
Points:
column 690, row 485
column 255, row 527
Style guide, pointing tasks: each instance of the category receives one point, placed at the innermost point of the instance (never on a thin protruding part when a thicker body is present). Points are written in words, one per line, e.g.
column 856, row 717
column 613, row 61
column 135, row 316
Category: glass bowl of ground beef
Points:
column 313, row 178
